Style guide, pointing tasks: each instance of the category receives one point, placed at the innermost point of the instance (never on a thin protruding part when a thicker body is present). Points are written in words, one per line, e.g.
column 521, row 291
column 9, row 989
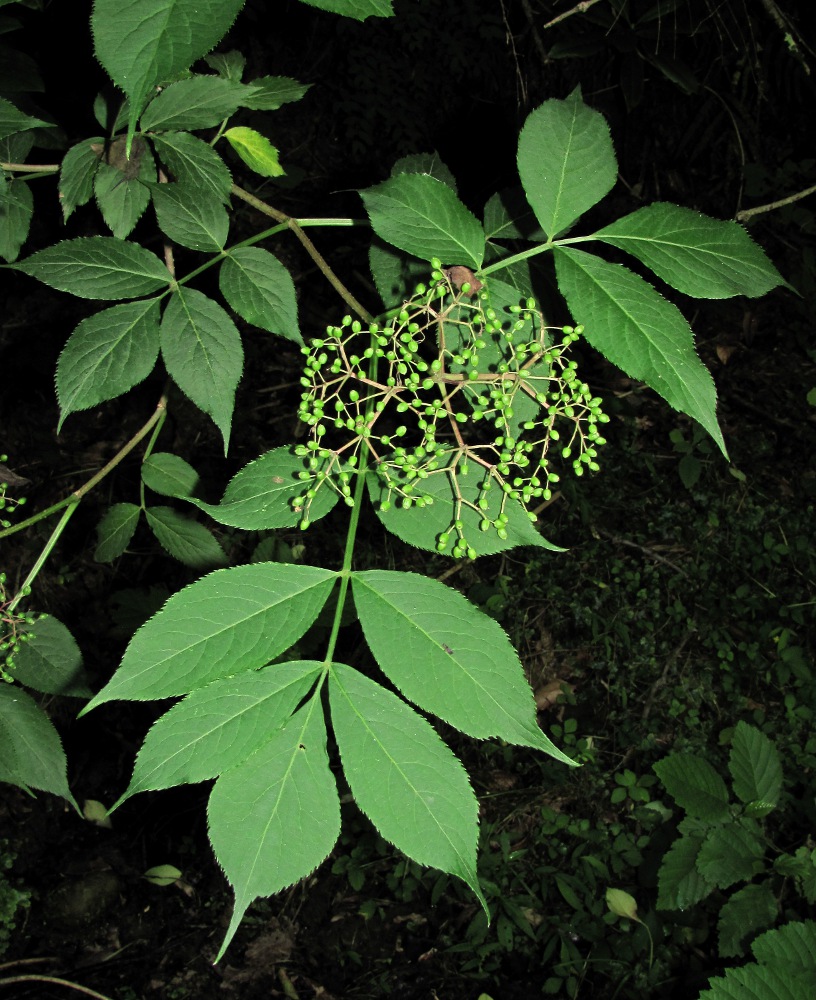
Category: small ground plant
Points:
column 448, row 410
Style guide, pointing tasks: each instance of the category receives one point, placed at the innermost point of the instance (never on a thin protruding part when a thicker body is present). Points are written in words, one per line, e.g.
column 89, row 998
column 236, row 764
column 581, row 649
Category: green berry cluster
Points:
column 7, row 504
column 13, row 632
column 446, row 386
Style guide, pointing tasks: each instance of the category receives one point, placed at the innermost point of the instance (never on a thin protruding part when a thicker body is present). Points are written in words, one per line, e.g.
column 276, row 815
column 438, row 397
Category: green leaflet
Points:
column 404, row 778
column 145, row 42
column 422, row 216
column 198, row 102
column 228, row 622
column 695, row 786
column 12, row 120
column 276, row 817
column 192, row 217
column 566, row 161
column 255, row 150
column 230, row 64
column 115, row 531
column 755, row 767
column 757, row 982
column 202, row 351
column 639, row 331
column 448, row 657
column 169, row 475
column 421, row 526
column 357, row 9
column 98, row 267
column 107, row 354
column 680, row 885
column 77, row 170
column 732, row 853
column 259, row 496
column 394, row 274
column 700, row 256
column 16, row 208
column 260, row 289
column 219, row 726
column 425, row 163
column 51, row 661
column 122, row 196
column 793, row 944
column 194, row 163
column 507, row 216
column 186, row 540
column 31, row 755
column 752, row 908
column 268, row 93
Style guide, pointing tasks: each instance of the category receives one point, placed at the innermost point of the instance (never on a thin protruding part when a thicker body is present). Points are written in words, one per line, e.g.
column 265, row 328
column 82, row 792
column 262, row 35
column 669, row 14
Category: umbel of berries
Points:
column 447, row 386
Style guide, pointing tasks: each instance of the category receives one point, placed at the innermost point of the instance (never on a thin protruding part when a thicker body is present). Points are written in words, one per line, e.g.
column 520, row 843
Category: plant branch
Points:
column 579, row 8
column 30, row 168
column 74, row 498
column 311, row 249
column 748, row 213
column 56, row 982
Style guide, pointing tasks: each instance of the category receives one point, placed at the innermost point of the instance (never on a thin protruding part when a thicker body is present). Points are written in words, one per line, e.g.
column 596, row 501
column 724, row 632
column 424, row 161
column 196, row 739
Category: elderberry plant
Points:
column 453, row 408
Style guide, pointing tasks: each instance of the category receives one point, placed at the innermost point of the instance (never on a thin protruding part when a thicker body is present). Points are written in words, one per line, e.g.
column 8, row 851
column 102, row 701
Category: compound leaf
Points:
column 260, row 289
column 566, row 161
column 50, row 660
column 115, row 531
column 219, row 726
column 31, row 754
column 145, row 42
column 186, row 540
column 230, row 621
column 193, row 217
column 448, row 657
column 700, row 256
column 194, row 163
column 422, row 216
column 639, row 331
column 169, row 475
column 260, row 495
column 107, row 354
column 404, row 778
column 695, row 786
column 274, row 818
column 98, row 267
column 755, row 767
column 202, row 351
